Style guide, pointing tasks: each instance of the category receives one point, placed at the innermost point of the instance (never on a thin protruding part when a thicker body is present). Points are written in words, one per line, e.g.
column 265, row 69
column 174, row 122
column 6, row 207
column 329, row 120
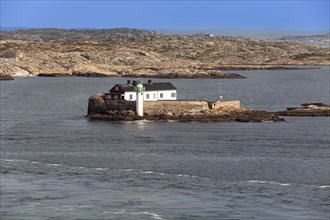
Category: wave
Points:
column 123, row 211
column 54, row 164
column 153, row 215
column 51, row 164
column 269, row 182
column 286, row 184
column 16, row 160
column 104, row 168
column 169, row 174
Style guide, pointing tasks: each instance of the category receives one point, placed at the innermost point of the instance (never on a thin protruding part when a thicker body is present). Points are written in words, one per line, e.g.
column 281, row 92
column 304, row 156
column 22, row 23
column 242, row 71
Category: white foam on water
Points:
column 186, row 175
column 100, row 168
column 117, row 212
column 148, row 172
column 54, row 164
column 126, row 170
column 256, row 181
column 153, row 215
column 142, row 122
column 163, row 174
column 159, row 173
column 183, row 175
column 269, row 182
column 285, row 184
column 15, row 160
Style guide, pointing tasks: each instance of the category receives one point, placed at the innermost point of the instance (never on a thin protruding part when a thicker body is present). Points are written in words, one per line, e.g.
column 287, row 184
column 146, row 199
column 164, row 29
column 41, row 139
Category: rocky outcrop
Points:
column 6, row 77
column 96, row 104
column 136, row 53
column 308, row 109
column 228, row 115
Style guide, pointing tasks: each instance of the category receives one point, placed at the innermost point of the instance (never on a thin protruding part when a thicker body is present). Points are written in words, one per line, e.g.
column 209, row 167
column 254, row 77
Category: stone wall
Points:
column 225, row 104
column 176, row 107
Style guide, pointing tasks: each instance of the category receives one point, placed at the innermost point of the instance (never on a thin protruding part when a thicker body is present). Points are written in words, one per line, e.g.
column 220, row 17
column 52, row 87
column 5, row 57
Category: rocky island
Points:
column 307, row 109
column 100, row 108
column 136, row 52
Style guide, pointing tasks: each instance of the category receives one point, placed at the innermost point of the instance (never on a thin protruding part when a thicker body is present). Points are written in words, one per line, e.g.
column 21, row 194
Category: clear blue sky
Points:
column 279, row 14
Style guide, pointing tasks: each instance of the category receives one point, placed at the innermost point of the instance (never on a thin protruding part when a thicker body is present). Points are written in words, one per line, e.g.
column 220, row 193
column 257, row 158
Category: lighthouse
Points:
column 139, row 98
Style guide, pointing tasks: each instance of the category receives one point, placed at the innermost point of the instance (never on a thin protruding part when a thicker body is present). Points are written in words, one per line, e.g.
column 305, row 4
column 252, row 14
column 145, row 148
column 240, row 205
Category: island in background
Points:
column 142, row 53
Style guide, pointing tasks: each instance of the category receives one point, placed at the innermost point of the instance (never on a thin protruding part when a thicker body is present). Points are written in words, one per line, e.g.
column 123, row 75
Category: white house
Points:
column 153, row 91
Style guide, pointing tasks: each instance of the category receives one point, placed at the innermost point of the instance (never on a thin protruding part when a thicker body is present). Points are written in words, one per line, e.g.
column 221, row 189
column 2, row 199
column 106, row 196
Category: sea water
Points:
column 55, row 164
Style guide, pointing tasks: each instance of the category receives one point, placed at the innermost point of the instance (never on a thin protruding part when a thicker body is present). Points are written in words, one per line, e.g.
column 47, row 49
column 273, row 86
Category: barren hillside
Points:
column 120, row 52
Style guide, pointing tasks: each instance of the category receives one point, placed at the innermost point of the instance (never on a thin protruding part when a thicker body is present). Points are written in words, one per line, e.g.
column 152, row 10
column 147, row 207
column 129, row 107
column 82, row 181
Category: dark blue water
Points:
column 55, row 164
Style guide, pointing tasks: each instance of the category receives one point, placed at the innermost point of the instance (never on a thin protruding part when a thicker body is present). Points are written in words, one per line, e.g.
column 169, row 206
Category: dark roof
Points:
column 149, row 87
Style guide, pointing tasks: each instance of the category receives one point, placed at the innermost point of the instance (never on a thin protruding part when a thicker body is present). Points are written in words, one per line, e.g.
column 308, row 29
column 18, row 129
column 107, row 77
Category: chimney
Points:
column 150, row 82
column 135, row 82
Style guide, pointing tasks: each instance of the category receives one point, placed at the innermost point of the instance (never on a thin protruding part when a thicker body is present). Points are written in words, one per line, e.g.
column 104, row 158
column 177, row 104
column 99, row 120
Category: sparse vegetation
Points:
column 123, row 50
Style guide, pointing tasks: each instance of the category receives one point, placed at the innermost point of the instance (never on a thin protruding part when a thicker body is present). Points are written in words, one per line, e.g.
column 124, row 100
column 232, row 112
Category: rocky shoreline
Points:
column 217, row 75
column 6, row 77
column 199, row 72
column 241, row 115
column 223, row 115
column 308, row 110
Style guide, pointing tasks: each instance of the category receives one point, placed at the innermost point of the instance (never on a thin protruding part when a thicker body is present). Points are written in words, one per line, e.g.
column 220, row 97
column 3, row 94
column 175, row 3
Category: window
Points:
column 154, row 95
column 116, row 88
column 115, row 97
column 130, row 97
column 173, row 94
column 147, row 96
column 160, row 95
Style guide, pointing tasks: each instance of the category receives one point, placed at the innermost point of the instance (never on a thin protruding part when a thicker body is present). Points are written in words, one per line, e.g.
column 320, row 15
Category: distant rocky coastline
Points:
column 142, row 53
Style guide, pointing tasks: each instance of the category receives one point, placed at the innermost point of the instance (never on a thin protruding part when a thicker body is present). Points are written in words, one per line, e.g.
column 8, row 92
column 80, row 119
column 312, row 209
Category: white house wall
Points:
column 153, row 95
column 167, row 95
column 128, row 94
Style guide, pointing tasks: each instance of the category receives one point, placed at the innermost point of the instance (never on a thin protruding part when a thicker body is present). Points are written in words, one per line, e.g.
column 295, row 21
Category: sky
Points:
column 310, row 15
